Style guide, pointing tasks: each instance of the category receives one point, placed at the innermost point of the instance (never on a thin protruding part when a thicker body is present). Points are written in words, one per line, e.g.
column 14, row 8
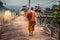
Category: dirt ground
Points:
column 18, row 30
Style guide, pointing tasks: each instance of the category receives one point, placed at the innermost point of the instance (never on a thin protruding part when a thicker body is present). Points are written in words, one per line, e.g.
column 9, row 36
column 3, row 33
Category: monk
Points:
column 31, row 15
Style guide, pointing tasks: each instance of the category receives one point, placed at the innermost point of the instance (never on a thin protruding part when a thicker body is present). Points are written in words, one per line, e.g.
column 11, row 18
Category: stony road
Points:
column 18, row 30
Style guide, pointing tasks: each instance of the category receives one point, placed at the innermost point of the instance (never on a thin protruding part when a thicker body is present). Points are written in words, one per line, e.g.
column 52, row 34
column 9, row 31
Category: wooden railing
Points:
column 53, row 29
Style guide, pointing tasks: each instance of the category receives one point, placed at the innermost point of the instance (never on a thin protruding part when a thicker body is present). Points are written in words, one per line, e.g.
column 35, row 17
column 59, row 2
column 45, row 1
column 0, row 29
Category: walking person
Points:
column 31, row 15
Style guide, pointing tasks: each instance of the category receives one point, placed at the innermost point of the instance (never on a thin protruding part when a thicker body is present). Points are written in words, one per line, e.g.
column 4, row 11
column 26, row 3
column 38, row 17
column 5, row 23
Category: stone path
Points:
column 17, row 30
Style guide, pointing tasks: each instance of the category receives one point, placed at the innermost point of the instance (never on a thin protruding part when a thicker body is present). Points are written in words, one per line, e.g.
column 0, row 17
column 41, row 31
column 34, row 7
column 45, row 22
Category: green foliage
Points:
column 56, row 14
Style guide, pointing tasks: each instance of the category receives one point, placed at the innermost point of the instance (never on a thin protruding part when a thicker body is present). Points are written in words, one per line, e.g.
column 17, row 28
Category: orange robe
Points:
column 31, row 21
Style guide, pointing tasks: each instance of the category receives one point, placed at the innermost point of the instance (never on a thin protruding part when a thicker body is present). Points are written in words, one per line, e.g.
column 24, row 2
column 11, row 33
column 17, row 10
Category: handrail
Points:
column 54, row 27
